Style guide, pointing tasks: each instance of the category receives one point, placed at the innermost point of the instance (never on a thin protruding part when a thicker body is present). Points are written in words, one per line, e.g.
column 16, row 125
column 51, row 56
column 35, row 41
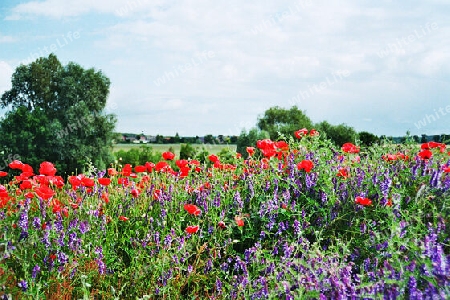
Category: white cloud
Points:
column 264, row 54
column 6, row 39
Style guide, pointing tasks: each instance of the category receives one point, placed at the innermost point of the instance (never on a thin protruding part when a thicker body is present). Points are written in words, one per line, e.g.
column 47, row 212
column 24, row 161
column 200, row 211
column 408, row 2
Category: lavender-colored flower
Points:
column 208, row 266
column 101, row 265
column 262, row 235
column 411, row 267
column 23, row 285
column 217, row 201
column 61, row 238
column 237, row 200
column 156, row 238
column 73, row 224
column 168, row 240
column 83, row 227
column 23, row 220
column 296, row 226
column 323, row 197
column 45, row 239
column 58, row 224
column 35, row 271
column 385, row 185
column 218, row 285
column 366, row 264
column 74, row 242
column 363, row 227
column 62, row 258
column 414, row 293
column 267, row 186
column 36, row 222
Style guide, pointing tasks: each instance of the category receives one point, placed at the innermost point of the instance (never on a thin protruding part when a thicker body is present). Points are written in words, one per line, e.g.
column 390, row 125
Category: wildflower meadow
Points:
column 296, row 218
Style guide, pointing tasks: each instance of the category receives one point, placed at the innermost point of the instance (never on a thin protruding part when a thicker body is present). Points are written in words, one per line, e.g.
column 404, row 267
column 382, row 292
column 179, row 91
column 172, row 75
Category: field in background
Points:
column 211, row 148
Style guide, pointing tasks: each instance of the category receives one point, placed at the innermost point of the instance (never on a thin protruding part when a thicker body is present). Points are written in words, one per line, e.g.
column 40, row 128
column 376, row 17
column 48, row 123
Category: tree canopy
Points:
column 56, row 113
column 338, row 134
column 278, row 120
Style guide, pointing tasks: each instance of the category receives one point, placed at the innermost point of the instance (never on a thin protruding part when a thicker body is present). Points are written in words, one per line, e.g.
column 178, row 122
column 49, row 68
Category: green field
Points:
column 211, row 148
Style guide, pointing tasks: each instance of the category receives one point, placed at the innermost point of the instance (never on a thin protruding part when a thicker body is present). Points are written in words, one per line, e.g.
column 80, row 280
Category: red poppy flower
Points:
column 104, row 181
column 184, row 171
column 26, row 168
column 389, row 157
column 26, row 184
column 181, row 163
column 191, row 229
column 402, row 156
column 239, row 221
column 192, row 209
column 126, row 170
column 446, row 169
column 140, row 169
column 87, row 182
column 47, row 168
column 29, row 195
column 250, row 150
column 16, row 164
column 432, row 145
column 342, row 173
column 213, row 158
column 3, row 191
column 425, row 154
column 112, row 171
column 238, row 155
column 3, row 173
column 123, row 218
column 168, row 155
column 44, row 192
column 75, row 181
column 56, row 206
column 123, row 180
column 157, row 194
column 282, row 146
column 222, row 225
column 162, row 166
column 134, row 193
column 313, row 132
column 363, row 201
column 194, row 162
column 267, row 147
column 350, row 148
column 300, row 133
column 105, row 197
column 305, row 165
column 149, row 166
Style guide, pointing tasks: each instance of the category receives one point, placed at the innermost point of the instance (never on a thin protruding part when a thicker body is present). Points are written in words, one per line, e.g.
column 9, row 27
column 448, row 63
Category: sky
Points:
column 198, row 67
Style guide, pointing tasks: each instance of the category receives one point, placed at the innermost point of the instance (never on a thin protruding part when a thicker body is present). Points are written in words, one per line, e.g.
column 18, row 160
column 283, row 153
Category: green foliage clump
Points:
column 187, row 151
column 338, row 134
column 138, row 156
column 56, row 113
column 277, row 120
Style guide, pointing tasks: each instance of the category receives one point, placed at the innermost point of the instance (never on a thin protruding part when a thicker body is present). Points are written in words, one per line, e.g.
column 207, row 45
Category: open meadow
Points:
column 296, row 219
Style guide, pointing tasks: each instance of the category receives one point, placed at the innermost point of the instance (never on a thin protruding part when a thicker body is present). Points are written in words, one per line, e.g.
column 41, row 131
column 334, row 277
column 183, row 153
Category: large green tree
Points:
column 56, row 113
column 338, row 134
column 278, row 120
